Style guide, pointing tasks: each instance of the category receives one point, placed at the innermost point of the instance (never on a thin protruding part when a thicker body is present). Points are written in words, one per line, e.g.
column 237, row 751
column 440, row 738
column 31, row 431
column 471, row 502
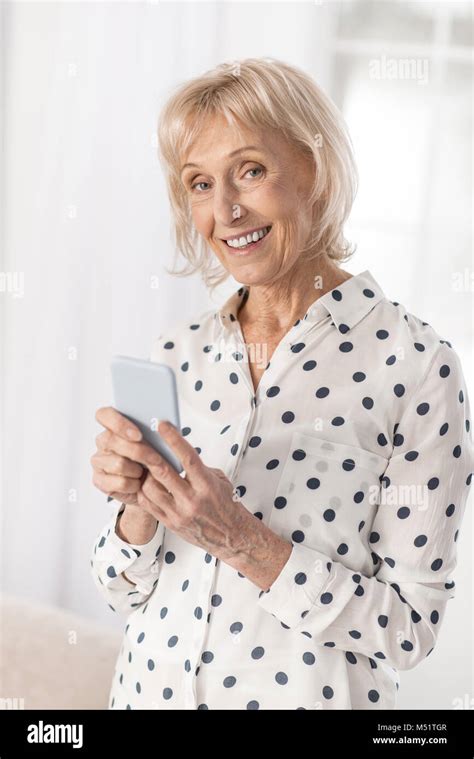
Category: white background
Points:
column 86, row 233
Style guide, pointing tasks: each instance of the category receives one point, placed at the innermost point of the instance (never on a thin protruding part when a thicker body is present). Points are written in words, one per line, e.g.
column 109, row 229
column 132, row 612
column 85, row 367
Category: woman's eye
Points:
column 256, row 168
column 197, row 184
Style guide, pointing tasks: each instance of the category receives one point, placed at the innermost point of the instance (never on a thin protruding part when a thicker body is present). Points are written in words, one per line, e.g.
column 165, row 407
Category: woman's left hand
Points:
column 203, row 508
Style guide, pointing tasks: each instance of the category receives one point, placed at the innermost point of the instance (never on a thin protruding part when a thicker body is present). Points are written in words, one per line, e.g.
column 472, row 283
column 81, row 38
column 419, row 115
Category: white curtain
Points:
column 86, row 233
column 87, row 236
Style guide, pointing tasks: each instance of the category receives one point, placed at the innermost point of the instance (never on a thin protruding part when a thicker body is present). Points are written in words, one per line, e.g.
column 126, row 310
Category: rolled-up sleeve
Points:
column 112, row 556
column 395, row 615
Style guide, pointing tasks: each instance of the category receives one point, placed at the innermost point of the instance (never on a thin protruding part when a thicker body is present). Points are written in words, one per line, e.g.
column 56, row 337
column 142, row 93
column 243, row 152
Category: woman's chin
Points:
column 244, row 269
column 252, row 274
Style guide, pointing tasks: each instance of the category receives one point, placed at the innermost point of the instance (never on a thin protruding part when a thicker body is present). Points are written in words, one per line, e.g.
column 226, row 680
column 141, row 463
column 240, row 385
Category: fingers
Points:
column 151, row 506
column 108, row 442
column 218, row 472
column 116, row 439
column 110, row 483
column 113, row 420
column 147, row 456
column 155, row 491
column 170, row 480
column 188, row 456
column 111, row 463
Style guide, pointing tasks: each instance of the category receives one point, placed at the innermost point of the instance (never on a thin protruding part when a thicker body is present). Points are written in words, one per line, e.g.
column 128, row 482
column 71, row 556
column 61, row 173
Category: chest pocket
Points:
column 327, row 495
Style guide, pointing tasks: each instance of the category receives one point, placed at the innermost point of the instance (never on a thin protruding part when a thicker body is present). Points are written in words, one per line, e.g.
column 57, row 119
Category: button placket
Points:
column 200, row 631
column 209, row 580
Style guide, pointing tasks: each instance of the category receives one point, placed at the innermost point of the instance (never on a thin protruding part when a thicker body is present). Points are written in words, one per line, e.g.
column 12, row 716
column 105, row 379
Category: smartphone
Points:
column 145, row 392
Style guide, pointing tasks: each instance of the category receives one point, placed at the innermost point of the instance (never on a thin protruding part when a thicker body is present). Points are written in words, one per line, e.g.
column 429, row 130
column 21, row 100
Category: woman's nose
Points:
column 227, row 206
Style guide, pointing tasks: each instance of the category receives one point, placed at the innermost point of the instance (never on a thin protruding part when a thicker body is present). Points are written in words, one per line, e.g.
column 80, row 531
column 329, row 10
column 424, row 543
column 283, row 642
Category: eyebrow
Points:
column 234, row 152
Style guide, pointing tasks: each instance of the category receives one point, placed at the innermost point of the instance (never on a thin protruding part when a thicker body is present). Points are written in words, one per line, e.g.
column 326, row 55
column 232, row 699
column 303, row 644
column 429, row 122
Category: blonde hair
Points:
column 261, row 92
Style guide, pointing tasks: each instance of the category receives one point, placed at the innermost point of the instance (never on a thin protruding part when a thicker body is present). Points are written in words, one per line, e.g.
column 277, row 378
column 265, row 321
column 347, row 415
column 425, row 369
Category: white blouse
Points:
column 356, row 448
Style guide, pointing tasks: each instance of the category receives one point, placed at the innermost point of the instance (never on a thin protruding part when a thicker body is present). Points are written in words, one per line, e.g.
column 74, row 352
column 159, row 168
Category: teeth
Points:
column 242, row 242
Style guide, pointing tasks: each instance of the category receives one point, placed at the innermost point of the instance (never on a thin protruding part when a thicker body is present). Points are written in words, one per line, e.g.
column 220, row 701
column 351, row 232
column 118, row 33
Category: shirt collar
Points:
column 347, row 304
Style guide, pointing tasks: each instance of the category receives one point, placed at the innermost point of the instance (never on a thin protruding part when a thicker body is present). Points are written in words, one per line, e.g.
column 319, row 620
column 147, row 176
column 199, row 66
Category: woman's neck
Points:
column 272, row 309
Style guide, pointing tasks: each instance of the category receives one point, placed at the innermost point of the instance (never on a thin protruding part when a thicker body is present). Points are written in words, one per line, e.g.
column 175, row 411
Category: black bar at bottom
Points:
column 28, row 733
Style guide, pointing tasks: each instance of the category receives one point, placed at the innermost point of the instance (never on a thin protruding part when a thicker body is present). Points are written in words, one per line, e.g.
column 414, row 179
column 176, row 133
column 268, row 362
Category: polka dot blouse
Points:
column 356, row 448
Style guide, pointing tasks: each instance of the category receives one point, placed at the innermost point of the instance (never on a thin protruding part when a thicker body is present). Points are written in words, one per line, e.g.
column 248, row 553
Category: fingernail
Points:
column 133, row 434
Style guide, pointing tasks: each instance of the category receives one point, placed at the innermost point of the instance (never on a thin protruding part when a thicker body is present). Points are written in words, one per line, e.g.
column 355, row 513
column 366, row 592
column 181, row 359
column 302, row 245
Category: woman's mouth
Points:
column 247, row 243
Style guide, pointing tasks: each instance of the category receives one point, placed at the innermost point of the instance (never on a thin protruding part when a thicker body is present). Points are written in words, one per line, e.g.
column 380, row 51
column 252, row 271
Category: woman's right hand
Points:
column 114, row 473
column 121, row 476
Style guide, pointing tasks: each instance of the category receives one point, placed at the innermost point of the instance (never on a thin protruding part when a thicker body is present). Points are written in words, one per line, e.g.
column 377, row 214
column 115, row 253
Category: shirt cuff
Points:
column 298, row 587
column 139, row 562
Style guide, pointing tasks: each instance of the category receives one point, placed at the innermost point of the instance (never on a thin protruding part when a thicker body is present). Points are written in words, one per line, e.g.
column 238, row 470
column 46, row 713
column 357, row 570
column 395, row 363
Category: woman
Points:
column 307, row 556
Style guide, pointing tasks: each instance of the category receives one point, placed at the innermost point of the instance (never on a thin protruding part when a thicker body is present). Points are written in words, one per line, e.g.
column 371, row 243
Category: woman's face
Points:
column 249, row 182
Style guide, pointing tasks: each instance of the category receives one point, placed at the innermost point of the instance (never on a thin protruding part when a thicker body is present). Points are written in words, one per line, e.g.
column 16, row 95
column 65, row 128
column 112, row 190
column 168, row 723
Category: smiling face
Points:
column 249, row 196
